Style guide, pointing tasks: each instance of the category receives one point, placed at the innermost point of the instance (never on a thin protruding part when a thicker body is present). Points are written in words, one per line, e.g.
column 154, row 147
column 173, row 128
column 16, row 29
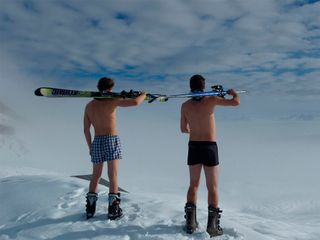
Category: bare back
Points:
column 102, row 116
column 199, row 116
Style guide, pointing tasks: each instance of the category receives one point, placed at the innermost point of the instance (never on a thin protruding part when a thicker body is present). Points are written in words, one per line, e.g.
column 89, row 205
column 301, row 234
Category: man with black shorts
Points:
column 197, row 119
column 106, row 146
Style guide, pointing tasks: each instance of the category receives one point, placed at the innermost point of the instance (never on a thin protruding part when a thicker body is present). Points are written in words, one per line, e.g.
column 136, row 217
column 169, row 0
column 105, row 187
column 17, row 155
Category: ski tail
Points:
column 156, row 97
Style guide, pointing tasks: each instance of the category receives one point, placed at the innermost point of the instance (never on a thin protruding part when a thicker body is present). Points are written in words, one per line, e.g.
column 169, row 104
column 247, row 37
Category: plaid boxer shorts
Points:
column 105, row 148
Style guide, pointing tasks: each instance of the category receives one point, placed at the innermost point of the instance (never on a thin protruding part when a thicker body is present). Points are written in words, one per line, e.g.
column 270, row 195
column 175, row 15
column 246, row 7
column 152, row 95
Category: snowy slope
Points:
column 51, row 206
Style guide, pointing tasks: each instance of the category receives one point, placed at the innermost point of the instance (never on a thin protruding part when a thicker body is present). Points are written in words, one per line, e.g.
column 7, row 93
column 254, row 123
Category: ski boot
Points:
column 92, row 198
column 213, row 227
column 114, row 210
column 191, row 217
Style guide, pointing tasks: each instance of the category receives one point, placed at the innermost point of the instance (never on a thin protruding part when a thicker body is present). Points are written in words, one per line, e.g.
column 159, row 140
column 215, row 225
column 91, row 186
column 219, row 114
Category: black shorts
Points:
column 203, row 152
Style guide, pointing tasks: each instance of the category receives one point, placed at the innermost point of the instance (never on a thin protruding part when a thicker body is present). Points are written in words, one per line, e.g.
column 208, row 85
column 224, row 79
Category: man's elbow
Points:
column 86, row 131
column 136, row 103
column 184, row 130
column 236, row 102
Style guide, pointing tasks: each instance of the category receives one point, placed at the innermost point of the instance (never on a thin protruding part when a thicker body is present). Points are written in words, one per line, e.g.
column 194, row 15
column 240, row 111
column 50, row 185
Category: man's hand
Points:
column 233, row 93
column 143, row 93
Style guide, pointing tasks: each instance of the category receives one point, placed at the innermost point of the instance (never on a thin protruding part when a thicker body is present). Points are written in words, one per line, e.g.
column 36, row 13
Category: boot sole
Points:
column 90, row 216
column 115, row 218
column 215, row 234
column 189, row 230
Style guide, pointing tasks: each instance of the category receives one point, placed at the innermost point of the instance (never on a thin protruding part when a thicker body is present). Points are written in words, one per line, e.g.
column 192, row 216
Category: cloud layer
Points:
column 163, row 37
column 272, row 49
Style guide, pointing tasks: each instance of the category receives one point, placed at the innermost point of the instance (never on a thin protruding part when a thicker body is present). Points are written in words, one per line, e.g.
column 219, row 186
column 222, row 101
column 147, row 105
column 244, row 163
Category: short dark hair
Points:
column 197, row 83
column 105, row 83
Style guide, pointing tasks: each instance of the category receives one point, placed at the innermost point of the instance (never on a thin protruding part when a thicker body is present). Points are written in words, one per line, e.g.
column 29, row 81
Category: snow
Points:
column 268, row 186
column 30, row 211
column 268, row 180
column 51, row 206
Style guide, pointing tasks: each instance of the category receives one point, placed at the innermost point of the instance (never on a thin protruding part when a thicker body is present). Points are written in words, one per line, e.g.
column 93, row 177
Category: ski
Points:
column 217, row 90
column 102, row 181
column 66, row 93
column 202, row 94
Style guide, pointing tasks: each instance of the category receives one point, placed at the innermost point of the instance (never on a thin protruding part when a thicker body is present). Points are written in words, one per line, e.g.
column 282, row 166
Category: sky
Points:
column 271, row 49
column 268, row 146
column 272, row 43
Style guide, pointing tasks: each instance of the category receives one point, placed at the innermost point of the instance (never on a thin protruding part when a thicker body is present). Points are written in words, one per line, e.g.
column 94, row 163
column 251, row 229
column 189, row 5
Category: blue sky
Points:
column 227, row 41
column 272, row 49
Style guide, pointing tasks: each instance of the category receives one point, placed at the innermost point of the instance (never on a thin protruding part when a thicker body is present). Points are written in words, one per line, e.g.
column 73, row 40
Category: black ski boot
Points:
column 92, row 198
column 213, row 227
column 114, row 210
column 191, row 217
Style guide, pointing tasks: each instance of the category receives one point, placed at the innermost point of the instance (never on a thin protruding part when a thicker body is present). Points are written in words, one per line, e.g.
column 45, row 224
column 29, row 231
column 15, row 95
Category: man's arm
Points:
column 235, row 101
column 132, row 102
column 86, row 129
column 184, row 127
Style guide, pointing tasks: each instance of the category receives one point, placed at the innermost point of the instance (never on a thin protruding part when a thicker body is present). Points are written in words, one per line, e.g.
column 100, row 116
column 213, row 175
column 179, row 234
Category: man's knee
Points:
column 112, row 174
column 96, row 174
column 213, row 188
column 96, row 177
column 194, row 186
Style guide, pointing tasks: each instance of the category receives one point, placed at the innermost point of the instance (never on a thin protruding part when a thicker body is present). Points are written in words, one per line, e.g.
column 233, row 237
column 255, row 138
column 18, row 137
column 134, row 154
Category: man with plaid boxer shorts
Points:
column 106, row 147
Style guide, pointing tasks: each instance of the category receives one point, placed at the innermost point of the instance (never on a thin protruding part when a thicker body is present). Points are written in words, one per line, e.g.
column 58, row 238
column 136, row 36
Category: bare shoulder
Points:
column 213, row 100
column 185, row 104
column 117, row 101
column 89, row 105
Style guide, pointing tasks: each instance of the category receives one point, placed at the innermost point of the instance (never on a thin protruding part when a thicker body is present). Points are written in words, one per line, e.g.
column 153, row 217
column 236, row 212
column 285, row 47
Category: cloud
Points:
column 216, row 34
column 9, row 141
column 271, row 48
column 6, row 130
column 7, row 116
column 5, row 110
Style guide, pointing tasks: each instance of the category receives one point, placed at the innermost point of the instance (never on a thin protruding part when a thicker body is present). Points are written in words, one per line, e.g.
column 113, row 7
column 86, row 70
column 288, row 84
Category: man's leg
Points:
column 214, row 213
column 114, row 209
column 113, row 175
column 92, row 195
column 212, row 174
column 195, row 173
column 96, row 175
column 191, row 205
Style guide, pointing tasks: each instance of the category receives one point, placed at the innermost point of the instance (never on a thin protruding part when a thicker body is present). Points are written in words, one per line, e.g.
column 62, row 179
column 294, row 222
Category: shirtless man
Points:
column 197, row 119
column 101, row 114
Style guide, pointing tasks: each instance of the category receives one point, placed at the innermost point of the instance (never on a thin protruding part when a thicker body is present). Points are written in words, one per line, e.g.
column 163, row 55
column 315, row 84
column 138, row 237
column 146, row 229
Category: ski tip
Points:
column 43, row 92
column 242, row 91
column 37, row 92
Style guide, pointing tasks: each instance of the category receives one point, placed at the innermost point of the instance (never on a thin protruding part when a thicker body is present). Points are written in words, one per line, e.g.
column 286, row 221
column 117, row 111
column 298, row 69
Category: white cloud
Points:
column 70, row 36
column 271, row 47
